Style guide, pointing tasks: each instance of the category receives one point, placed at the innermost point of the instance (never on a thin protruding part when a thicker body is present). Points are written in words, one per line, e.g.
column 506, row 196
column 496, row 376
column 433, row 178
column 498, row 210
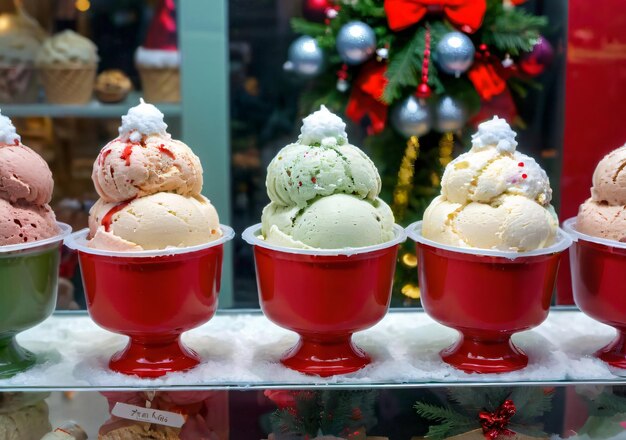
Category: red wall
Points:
column 595, row 101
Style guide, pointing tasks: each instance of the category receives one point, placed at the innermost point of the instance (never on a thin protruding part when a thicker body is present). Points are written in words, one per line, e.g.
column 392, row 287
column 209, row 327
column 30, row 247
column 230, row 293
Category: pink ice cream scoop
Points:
column 125, row 169
column 24, row 175
column 25, row 191
column 604, row 214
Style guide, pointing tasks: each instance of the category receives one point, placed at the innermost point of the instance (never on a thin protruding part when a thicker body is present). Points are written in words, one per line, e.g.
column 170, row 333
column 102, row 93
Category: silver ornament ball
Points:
column 305, row 57
column 356, row 42
column 450, row 115
column 411, row 117
column 454, row 53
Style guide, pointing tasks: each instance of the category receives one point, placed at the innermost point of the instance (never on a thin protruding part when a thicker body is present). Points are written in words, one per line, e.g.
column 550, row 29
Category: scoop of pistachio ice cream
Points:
column 493, row 197
column 324, row 191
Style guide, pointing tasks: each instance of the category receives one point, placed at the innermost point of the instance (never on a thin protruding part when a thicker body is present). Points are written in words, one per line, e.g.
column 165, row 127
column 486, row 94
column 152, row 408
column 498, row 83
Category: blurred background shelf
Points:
column 93, row 109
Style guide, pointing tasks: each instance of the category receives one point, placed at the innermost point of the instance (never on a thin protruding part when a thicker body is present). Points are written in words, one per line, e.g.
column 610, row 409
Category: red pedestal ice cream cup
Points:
column 487, row 296
column 152, row 297
column 598, row 280
column 324, row 296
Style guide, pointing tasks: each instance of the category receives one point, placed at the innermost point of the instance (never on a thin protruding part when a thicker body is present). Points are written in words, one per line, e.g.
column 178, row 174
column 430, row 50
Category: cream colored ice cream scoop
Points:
column 152, row 222
column 604, row 214
column 67, row 48
column 493, row 197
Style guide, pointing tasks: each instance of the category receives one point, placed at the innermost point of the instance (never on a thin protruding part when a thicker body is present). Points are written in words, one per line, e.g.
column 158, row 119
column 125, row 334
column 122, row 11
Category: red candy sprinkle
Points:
column 521, row 164
column 167, row 152
column 16, row 141
column 524, row 176
column 299, row 183
column 128, row 150
column 108, row 218
column 313, row 179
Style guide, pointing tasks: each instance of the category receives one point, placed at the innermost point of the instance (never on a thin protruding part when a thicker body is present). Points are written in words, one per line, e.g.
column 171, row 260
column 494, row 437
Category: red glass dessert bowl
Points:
column 487, row 296
column 325, row 296
column 598, row 280
column 152, row 297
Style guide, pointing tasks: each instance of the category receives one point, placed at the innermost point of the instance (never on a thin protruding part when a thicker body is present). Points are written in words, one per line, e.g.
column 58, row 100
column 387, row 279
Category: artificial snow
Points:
column 244, row 350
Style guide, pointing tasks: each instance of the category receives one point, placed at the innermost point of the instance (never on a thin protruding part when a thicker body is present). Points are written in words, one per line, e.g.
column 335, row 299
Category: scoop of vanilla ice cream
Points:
column 157, row 221
column 67, row 48
column 493, row 197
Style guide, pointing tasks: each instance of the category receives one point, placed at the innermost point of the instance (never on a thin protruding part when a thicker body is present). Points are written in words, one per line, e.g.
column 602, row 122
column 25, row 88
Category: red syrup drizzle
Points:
column 108, row 218
column 167, row 152
column 128, row 150
column 103, row 156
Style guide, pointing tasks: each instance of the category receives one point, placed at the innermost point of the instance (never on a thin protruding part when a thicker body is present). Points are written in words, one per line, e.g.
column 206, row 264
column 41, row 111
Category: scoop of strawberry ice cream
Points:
column 25, row 191
column 24, row 175
column 22, row 223
column 145, row 160
column 125, row 170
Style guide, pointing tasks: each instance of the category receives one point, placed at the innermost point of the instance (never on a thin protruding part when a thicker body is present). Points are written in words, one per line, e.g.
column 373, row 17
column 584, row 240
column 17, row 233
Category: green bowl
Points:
column 29, row 276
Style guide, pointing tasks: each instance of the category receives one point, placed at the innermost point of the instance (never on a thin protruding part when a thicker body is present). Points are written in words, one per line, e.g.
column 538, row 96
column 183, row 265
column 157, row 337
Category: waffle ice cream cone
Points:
column 68, row 85
column 67, row 65
column 160, row 84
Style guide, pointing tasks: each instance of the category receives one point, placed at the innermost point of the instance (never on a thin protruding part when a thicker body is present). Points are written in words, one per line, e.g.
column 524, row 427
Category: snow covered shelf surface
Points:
column 242, row 350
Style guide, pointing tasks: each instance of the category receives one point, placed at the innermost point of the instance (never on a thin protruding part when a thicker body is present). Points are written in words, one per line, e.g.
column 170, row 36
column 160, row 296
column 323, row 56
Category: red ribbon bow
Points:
column 366, row 97
column 467, row 15
column 494, row 423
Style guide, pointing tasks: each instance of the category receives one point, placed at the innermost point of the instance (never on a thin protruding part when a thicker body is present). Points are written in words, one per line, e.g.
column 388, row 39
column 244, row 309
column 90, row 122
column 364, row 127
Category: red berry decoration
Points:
column 316, row 10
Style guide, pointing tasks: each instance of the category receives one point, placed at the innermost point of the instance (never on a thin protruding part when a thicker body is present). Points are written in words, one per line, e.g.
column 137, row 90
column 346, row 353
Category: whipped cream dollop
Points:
column 142, row 120
column 8, row 135
column 323, row 128
column 494, row 133
column 157, row 57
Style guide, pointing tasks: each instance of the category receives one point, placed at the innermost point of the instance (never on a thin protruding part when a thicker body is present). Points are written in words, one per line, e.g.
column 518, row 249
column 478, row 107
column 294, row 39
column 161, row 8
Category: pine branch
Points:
column 450, row 421
column 441, row 414
column 404, row 66
column 607, row 405
column 531, row 402
column 514, row 31
column 367, row 8
column 305, row 27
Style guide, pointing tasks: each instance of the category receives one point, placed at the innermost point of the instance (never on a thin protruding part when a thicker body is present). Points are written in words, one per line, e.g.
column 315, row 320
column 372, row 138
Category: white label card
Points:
column 148, row 415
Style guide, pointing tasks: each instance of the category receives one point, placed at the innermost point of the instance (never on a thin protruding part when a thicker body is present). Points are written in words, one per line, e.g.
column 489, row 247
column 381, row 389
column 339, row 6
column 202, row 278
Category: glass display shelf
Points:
column 93, row 109
column 241, row 350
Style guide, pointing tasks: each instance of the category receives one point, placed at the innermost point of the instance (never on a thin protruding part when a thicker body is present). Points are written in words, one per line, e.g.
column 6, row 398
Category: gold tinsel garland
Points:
column 405, row 177
column 402, row 191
